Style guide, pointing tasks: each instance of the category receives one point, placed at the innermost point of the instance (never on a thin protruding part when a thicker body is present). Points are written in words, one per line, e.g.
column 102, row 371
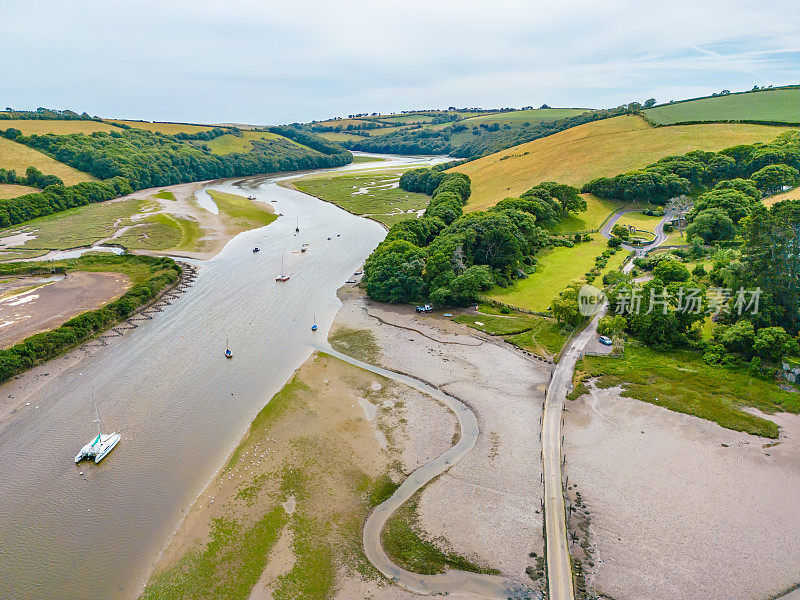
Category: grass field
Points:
column 639, row 221
column 226, row 144
column 162, row 231
column 43, row 127
column 10, row 190
column 679, row 380
column 541, row 336
column 781, row 105
column 76, row 227
column 518, row 117
column 241, row 214
column 601, row 148
column 168, row 128
column 14, row 156
column 556, row 268
column 371, row 194
column 597, row 211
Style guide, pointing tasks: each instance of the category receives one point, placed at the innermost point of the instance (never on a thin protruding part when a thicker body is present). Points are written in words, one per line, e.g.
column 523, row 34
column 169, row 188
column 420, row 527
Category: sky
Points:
column 266, row 62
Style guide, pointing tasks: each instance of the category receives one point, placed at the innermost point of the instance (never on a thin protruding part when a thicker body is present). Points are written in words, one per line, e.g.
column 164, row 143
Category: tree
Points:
column 739, row 337
column 711, row 225
column 621, row 232
column 670, row 271
column 679, row 206
column 611, row 325
column 773, row 343
column 771, row 178
column 649, row 102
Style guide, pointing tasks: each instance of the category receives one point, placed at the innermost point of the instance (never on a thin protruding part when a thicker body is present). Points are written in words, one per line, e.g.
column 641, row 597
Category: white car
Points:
column 606, row 341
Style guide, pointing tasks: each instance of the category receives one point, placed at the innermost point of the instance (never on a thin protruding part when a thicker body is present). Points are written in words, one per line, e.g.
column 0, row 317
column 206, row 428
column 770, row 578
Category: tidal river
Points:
column 180, row 405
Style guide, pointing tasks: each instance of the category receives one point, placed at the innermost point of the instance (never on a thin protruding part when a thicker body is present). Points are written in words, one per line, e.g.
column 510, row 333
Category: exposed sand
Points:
column 487, row 507
column 54, row 302
column 680, row 507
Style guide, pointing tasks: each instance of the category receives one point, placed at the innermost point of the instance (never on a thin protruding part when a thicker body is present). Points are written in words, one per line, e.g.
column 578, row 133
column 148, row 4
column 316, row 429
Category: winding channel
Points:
column 94, row 531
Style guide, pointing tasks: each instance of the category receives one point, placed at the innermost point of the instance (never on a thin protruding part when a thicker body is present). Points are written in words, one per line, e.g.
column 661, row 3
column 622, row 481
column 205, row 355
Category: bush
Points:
column 614, row 242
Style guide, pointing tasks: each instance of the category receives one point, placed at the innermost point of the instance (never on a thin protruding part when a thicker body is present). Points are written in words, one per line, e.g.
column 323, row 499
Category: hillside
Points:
column 775, row 105
column 226, row 144
column 17, row 157
column 58, row 127
column 600, row 148
column 459, row 132
column 168, row 128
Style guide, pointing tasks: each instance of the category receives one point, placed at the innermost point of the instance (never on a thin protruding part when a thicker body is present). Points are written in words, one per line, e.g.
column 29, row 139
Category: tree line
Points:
column 449, row 257
column 133, row 159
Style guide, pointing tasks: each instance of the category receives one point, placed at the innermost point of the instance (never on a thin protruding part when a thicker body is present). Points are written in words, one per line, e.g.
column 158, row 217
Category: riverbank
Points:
column 348, row 434
column 678, row 507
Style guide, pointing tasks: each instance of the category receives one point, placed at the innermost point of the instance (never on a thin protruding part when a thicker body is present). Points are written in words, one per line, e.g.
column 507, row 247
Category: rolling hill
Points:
column 600, row 148
column 168, row 128
column 18, row 157
column 772, row 105
column 58, row 127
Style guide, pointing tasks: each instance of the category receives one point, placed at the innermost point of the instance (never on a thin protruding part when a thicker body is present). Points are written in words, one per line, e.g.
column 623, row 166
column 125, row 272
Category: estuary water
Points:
column 180, row 405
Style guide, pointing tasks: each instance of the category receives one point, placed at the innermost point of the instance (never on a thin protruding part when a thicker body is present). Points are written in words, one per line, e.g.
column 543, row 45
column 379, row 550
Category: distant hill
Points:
column 601, row 148
column 775, row 105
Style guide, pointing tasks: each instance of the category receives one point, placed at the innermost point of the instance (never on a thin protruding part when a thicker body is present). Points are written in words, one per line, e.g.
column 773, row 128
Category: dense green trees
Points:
column 447, row 256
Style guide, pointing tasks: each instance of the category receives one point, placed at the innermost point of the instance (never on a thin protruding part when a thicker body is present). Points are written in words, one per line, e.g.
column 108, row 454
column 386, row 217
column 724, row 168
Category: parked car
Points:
column 424, row 309
column 606, row 341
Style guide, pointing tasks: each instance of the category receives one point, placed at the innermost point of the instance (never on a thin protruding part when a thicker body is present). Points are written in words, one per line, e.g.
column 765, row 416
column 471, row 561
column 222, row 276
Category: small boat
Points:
column 357, row 273
column 297, row 227
column 251, row 197
column 283, row 276
column 338, row 235
column 304, row 247
column 228, row 353
column 314, row 326
column 329, row 239
column 100, row 446
column 256, row 249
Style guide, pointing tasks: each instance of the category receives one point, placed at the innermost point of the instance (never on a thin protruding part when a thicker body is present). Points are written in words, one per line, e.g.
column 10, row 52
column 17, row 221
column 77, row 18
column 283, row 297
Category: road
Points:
column 661, row 237
column 559, row 569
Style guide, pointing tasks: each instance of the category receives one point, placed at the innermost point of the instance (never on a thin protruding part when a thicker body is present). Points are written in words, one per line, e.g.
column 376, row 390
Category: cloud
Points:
column 291, row 61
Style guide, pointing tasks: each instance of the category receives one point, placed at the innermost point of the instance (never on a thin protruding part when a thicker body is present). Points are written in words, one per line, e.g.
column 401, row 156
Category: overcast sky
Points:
column 267, row 62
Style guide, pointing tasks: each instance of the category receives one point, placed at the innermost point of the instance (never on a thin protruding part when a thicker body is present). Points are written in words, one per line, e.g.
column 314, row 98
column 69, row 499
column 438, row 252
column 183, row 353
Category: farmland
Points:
column 14, row 156
column 226, row 144
column 45, row 126
column 517, row 117
column 168, row 128
column 601, row 148
column 10, row 190
column 779, row 105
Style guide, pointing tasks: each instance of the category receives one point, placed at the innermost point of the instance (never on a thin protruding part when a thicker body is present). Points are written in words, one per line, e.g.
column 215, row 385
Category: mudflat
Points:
column 679, row 507
column 32, row 305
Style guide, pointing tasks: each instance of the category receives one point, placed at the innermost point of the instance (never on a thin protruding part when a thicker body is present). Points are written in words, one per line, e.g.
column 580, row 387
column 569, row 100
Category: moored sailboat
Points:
column 101, row 445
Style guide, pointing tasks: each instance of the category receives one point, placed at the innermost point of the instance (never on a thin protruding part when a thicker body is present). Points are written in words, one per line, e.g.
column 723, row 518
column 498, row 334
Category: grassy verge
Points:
column 241, row 213
column 538, row 335
column 369, row 194
column 597, row 211
column 404, row 542
column 679, row 380
column 358, row 343
column 162, row 231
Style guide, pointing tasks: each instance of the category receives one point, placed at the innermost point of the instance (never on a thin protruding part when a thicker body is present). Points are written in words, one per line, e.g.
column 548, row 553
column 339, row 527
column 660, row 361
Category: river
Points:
column 180, row 405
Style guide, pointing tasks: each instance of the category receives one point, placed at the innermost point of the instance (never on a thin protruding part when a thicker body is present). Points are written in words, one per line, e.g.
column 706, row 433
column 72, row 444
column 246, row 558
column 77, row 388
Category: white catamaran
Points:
column 100, row 446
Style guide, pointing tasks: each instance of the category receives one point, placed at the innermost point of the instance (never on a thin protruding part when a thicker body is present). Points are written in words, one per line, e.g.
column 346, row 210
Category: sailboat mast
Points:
column 96, row 412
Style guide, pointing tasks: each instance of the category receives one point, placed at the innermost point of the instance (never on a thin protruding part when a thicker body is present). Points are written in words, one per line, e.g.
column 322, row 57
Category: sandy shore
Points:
column 680, row 507
column 487, row 507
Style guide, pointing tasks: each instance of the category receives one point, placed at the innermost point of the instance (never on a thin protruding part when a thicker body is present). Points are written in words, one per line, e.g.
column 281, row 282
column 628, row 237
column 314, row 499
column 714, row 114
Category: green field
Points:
column 679, row 380
column 597, row 211
column 73, row 228
column 162, row 231
column 241, row 214
column 10, row 190
column 556, row 268
column 780, row 105
column 45, row 126
column 639, row 221
column 541, row 336
column 16, row 157
column 168, row 128
column 368, row 194
column 601, row 148
column 226, row 144
column 518, row 117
